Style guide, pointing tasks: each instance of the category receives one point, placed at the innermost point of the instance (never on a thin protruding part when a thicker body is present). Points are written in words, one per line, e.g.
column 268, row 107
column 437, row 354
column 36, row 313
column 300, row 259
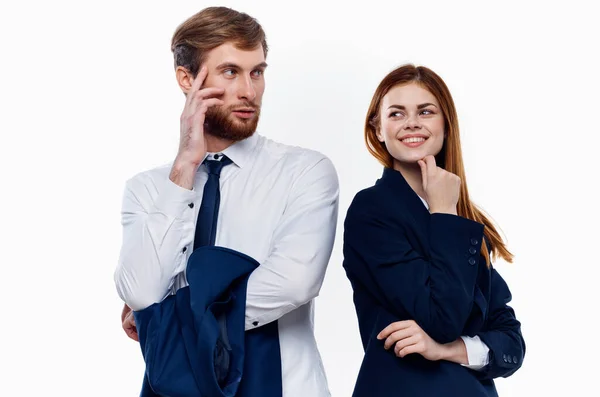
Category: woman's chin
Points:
column 409, row 160
column 405, row 164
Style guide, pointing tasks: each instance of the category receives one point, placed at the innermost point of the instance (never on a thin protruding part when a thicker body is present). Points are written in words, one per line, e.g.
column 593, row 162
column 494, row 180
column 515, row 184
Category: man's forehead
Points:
column 230, row 54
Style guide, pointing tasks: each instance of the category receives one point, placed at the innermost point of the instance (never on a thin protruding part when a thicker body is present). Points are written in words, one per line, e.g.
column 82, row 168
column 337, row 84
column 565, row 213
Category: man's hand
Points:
column 128, row 322
column 192, row 142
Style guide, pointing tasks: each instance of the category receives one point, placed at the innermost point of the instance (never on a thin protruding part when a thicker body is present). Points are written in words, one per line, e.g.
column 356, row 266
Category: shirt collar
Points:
column 424, row 202
column 240, row 152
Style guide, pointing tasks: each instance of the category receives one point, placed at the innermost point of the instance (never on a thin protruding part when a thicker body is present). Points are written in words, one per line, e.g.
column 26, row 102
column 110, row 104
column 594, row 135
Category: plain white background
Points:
column 88, row 98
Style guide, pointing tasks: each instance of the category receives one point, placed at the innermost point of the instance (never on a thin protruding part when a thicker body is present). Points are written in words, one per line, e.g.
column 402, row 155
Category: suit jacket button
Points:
column 509, row 358
column 515, row 359
column 472, row 261
column 504, row 358
column 472, row 251
column 474, row 241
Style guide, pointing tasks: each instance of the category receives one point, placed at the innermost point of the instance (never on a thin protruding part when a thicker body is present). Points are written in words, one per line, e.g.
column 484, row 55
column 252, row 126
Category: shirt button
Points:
column 184, row 249
column 255, row 323
column 217, row 156
column 472, row 261
column 474, row 241
column 472, row 251
column 191, row 205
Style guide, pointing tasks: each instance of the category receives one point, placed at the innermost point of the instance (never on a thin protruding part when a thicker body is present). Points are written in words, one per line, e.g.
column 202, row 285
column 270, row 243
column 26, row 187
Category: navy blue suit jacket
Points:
column 194, row 343
column 407, row 264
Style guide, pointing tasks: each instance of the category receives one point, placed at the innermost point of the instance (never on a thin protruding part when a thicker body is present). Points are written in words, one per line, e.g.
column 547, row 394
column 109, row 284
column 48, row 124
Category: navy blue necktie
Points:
column 206, row 226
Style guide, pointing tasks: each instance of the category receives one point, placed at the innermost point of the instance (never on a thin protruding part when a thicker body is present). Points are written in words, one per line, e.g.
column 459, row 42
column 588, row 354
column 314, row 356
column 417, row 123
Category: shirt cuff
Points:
column 477, row 352
column 176, row 201
column 271, row 315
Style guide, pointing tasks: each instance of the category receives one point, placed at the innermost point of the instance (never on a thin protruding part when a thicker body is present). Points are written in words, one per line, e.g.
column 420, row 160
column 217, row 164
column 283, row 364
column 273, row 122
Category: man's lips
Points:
column 244, row 112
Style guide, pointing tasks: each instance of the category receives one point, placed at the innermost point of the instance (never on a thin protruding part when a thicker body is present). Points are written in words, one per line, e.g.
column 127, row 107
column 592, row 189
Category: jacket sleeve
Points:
column 436, row 290
column 502, row 333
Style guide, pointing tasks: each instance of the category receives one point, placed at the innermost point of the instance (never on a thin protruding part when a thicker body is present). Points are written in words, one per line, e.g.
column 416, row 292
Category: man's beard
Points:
column 221, row 122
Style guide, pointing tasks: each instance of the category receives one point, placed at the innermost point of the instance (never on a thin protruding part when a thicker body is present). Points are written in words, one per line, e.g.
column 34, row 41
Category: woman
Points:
column 432, row 310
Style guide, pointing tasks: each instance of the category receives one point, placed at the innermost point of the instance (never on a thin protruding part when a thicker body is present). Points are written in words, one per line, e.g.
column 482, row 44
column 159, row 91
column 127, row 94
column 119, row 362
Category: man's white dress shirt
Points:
column 279, row 205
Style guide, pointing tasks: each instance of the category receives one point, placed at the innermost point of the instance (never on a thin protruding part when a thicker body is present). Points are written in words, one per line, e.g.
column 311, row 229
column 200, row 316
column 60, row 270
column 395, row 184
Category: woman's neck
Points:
column 412, row 173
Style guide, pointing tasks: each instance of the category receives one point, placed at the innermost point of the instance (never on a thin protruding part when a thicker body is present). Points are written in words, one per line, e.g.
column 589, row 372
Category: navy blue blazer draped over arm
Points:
column 405, row 263
column 194, row 343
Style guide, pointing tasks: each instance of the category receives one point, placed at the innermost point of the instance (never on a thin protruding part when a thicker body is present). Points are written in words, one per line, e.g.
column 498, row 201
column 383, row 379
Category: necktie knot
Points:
column 214, row 167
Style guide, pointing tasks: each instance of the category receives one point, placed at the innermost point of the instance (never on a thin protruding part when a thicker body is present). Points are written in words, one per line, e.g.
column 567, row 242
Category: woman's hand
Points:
column 407, row 337
column 441, row 187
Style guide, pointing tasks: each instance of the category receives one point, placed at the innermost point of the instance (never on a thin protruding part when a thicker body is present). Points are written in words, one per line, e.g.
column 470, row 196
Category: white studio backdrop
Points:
column 88, row 99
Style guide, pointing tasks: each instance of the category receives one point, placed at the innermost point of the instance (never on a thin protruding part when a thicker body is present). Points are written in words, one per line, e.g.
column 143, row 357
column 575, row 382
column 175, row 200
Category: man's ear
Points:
column 184, row 79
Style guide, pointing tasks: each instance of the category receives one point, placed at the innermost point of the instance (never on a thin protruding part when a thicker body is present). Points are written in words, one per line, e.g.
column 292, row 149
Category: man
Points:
column 278, row 203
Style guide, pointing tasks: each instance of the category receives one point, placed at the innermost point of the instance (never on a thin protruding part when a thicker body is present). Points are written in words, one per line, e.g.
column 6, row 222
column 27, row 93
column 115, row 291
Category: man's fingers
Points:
column 132, row 333
column 211, row 92
column 126, row 310
column 196, row 84
column 196, row 118
column 200, row 96
column 207, row 103
column 129, row 320
column 128, row 324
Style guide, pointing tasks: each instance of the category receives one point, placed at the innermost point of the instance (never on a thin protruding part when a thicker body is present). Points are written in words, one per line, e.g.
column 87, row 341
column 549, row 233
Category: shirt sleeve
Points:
column 158, row 229
column 293, row 273
column 477, row 352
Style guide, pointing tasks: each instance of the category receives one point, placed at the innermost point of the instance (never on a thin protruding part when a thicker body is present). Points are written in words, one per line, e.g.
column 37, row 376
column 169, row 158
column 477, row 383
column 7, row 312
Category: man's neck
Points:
column 215, row 144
